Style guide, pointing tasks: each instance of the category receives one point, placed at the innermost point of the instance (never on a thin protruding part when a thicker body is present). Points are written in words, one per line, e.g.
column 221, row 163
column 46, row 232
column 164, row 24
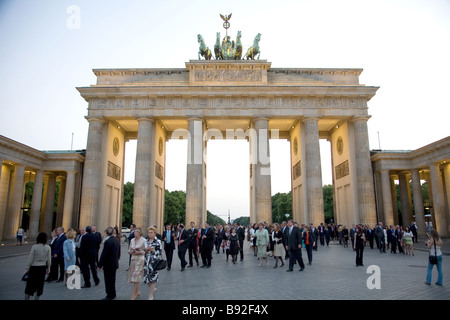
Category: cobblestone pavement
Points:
column 332, row 275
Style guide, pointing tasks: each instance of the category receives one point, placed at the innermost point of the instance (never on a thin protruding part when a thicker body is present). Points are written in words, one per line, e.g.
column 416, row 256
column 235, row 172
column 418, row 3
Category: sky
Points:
column 48, row 48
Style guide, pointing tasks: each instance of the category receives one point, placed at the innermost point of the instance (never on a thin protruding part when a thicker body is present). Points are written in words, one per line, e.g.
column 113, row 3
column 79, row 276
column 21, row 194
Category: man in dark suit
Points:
column 88, row 255
column 109, row 261
column 220, row 236
column 352, row 235
column 98, row 237
column 183, row 244
column 207, row 245
column 193, row 235
column 241, row 236
column 294, row 246
column 58, row 253
column 379, row 233
column 315, row 233
column 169, row 238
column 322, row 234
column 284, row 230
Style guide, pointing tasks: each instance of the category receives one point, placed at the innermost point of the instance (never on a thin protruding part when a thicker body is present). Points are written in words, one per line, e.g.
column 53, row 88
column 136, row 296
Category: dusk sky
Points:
column 50, row 47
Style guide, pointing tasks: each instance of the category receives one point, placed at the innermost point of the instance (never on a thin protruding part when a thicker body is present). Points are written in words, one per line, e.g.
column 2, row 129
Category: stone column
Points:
column 364, row 177
column 60, row 204
column 387, row 197
column 15, row 201
column 404, row 199
column 418, row 203
column 440, row 218
column 91, row 175
column 313, row 172
column 68, row 200
column 49, row 204
column 143, row 186
column 446, row 173
column 36, row 203
column 394, row 201
column 195, row 173
column 260, row 160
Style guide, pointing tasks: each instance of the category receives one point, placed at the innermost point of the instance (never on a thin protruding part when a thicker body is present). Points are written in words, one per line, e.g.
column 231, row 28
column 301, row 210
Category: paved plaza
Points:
column 332, row 275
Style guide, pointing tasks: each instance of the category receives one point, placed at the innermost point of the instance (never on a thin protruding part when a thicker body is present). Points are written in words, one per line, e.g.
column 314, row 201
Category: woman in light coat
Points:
column 69, row 253
column 262, row 242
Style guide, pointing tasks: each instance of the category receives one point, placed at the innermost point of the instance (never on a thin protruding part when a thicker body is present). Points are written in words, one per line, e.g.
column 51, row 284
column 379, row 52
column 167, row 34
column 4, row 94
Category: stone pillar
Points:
column 260, row 160
column 60, row 205
column 36, row 203
column 364, row 177
column 418, row 203
column 91, row 175
column 446, row 173
column 440, row 218
column 143, row 186
column 387, row 197
column 404, row 199
column 68, row 200
column 195, row 173
column 49, row 204
column 394, row 201
column 15, row 201
column 313, row 172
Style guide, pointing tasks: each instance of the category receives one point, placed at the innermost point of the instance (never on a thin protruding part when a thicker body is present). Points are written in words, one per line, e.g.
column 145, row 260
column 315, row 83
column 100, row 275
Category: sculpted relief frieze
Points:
column 224, row 102
column 228, row 75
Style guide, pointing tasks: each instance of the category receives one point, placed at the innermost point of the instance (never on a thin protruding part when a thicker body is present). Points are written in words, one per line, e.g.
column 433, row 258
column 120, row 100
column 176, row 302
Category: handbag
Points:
column 431, row 258
column 25, row 276
column 160, row 264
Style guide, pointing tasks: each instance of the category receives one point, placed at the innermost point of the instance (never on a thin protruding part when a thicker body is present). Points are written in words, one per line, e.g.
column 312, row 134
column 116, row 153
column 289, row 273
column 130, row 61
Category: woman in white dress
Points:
column 136, row 270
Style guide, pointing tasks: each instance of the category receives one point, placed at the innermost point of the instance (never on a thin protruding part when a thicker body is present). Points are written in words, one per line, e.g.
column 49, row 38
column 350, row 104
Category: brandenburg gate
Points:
column 227, row 99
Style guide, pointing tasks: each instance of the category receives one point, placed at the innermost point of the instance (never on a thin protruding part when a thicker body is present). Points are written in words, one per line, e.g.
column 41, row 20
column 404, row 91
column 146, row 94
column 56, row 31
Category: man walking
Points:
column 183, row 244
column 109, row 261
column 58, row 253
column 88, row 255
column 193, row 236
column 207, row 245
column 169, row 238
column 379, row 233
column 241, row 236
column 294, row 245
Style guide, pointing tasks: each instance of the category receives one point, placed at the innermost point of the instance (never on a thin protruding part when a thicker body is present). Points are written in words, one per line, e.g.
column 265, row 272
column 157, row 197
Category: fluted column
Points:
column 68, row 200
column 260, row 159
column 387, row 197
column 418, row 203
column 15, row 201
column 440, row 218
column 143, row 186
column 195, row 173
column 91, row 176
column 394, row 201
column 49, row 204
column 314, row 191
column 36, row 203
column 404, row 199
column 60, row 204
column 364, row 177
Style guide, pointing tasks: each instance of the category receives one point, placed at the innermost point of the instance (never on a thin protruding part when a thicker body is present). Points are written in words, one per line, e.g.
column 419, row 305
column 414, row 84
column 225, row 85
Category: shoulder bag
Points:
column 431, row 258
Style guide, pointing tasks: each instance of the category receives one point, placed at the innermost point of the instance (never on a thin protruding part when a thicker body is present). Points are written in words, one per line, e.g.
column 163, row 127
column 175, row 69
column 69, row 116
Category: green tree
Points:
column 281, row 207
column 175, row 207
column 328, row 206
column 128, row 196
column 243, row 221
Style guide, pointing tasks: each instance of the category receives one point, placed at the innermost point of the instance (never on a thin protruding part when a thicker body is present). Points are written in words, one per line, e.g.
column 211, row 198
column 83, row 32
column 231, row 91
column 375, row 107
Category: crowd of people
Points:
column 281, row 241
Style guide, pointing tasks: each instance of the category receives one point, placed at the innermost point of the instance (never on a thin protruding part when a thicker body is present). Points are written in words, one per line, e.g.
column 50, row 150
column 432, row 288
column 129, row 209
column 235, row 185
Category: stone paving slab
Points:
column 332, row 275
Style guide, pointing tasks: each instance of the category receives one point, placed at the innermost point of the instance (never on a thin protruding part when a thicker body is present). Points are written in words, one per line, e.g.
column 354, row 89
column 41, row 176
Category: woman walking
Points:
column 153, row 254
column 69, row 253
column 278, row 245
column 234, row 244
column 408, row 239
column 358, row 245
column 38, row 265
column 262, row 243
column 136, row 270
column 434, row 243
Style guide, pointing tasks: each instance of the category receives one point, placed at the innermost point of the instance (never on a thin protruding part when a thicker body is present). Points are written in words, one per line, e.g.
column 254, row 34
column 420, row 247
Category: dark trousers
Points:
column 309, row 248
column 381, row 244
column 295, row 255
column 206, row 256
column 359, row 256
column 110, row 282
column 241, row 249
column 86, row 264
column 322, row 239
column 53, row 275
column 182, row 256
column 169, row 257
column 193, row 253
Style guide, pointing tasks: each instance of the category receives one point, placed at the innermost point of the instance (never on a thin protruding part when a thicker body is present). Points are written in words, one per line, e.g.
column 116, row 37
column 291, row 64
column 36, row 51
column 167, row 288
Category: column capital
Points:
column 145, row 119
column 195, row 119
column 360, row 118
column 94, row 119
column 311, row 118
column 71, row 172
